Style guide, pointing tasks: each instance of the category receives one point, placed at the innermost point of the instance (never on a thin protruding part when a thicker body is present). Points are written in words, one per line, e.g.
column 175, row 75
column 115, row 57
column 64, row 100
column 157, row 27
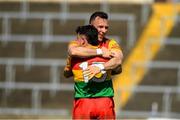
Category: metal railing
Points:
column 166, row 103
column 36, row 89
column 63, row 15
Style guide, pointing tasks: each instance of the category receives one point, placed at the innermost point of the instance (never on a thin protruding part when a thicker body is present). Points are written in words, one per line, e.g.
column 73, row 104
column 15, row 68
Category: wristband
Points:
column 101, row 66
column 99, row 51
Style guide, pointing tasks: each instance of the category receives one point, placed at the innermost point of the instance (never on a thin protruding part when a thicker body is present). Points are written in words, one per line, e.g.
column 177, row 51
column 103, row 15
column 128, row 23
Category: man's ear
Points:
column 84, row 42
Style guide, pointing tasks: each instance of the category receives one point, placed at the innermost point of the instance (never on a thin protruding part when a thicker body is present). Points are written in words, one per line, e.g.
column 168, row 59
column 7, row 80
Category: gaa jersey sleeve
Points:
column 74, row 42
column 113, row 45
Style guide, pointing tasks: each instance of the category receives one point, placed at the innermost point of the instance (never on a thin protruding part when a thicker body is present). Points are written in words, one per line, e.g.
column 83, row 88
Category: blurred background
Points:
column 34, row 35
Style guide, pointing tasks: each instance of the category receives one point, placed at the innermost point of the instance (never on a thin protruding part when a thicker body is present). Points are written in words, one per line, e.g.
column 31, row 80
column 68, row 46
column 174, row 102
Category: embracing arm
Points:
column 115, row 61
column 113, row 64
column 83, row 51
column 75, row 50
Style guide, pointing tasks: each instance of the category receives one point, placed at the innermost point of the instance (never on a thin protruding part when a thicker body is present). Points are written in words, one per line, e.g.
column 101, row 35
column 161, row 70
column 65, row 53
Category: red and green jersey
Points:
column 96, row 87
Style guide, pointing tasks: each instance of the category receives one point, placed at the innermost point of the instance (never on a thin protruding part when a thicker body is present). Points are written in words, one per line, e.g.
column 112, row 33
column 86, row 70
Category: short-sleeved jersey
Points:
column 96, row 87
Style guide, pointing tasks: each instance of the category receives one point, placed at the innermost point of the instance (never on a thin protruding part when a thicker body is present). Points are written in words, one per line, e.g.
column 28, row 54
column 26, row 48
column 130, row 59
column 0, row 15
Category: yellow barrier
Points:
column 159, row 26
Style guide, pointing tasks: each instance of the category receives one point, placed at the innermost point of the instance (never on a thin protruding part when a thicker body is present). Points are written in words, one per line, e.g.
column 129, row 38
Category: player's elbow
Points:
column 68, row 74
column 118, row 62
column 117, row 70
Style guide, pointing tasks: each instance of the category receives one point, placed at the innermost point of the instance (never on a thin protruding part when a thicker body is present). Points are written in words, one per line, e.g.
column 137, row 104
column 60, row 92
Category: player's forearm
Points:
column 114, row 62
column 82, row 52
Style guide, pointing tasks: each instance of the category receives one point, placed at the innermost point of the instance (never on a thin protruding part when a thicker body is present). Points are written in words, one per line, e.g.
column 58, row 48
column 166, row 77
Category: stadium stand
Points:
column 162, row 79
column 33, row 47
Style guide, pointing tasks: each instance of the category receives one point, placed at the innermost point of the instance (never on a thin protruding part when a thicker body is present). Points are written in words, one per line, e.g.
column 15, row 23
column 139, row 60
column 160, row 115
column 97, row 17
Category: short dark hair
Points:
column 98, row 14
column 90, row 32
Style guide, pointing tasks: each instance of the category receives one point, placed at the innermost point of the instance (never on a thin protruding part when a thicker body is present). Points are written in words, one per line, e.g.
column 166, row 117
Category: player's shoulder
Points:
column 73, row 42
column 111, row 41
